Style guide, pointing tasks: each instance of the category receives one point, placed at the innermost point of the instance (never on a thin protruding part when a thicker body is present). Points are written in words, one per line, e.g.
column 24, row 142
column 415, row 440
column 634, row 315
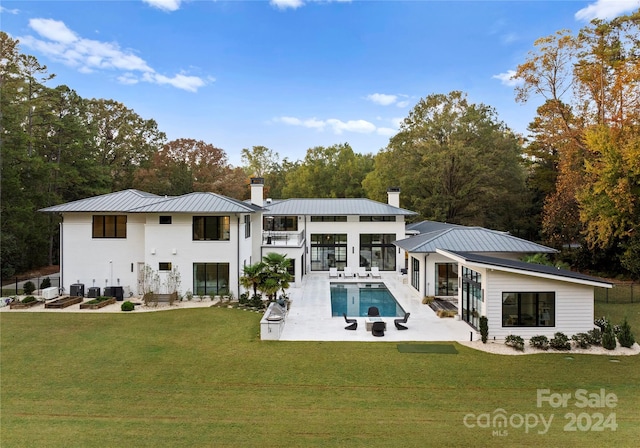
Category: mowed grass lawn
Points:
column 202, row 377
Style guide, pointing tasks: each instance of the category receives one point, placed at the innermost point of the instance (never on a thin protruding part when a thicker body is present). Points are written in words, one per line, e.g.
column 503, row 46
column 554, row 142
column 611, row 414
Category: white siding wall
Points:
column 574, row 304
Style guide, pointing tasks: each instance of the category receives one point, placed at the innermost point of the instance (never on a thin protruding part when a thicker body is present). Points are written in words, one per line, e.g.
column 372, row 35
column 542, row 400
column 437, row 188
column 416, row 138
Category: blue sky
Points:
column 291, row 74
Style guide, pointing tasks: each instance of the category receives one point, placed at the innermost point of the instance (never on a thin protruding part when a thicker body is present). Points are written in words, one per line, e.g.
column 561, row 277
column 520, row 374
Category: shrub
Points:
column 127, row 306
column 608, row 338
column 29, row 299
column 446, row 313
column 625, row 337
column 541, row 342
column 582, row 340
column 244, row 298
column 515, row 341
column 484, row 329
column 595, row 336
column 46, row 283
column 560, row 341
column 427, row 300
column 29, row 287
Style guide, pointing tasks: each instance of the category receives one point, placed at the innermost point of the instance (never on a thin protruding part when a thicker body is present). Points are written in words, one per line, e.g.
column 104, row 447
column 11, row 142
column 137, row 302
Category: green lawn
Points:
column 202, row 377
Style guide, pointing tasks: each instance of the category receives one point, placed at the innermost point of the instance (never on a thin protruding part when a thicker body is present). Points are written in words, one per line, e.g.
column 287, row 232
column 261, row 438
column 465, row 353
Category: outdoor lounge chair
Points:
column 399, row 322
column 333, row 272
column 378, row 329
column 362, row 272
column 347, row 272
column 373, row 311
column 353, row 323
column 375, row 272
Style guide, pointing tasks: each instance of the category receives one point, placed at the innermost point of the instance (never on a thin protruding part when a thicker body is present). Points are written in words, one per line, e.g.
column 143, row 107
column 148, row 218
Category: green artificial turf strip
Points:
column 447, row 349
column 202, row 377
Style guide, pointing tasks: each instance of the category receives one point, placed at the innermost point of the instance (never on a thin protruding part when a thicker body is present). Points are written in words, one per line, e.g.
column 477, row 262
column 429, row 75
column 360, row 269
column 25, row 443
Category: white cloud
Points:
column 284, row 4
column 507, row 78
column 53, row 30
column 337, row 126
column 295, row 4
column 382, row 99
column 165, row 5
column 9, row 11
column 58, row 42
column 606, row 9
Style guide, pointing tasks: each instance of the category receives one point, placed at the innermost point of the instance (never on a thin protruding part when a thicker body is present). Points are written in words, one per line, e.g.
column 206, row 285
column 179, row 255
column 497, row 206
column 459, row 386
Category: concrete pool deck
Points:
column 309, row 318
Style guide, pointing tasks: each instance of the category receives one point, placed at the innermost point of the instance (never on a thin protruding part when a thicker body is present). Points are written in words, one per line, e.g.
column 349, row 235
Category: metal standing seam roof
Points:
column 135, row 201
column 470, row 239
column 528, row 267
column 333, row 206
column 430, row 226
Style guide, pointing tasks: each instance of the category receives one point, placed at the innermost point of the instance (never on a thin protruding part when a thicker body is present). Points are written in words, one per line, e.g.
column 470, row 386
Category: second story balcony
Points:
column 283, row 238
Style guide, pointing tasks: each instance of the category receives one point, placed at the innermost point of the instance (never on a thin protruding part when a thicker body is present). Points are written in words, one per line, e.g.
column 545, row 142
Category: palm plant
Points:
column 252, row 276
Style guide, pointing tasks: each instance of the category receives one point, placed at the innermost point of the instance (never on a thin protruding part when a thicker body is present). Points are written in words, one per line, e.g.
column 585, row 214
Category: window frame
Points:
column 100, row 227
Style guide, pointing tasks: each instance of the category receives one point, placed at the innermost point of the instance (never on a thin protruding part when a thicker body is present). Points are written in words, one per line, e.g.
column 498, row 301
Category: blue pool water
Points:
column 354, row 299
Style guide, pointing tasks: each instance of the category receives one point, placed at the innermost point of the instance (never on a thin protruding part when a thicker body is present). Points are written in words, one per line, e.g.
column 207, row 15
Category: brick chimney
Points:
column 393, row 196
column 257, row 188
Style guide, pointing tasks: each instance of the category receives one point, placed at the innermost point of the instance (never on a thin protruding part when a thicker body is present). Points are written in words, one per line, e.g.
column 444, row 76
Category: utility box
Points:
column 115, row 291
column 77, row 290
column 94, row 292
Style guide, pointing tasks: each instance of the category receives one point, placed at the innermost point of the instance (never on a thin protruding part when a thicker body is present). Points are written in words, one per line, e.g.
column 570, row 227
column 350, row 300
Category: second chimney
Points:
column 393, row 196
column 257, row 187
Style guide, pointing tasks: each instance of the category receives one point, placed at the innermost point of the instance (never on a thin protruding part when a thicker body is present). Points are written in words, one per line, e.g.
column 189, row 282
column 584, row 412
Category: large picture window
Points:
column 528, row 309
column 211, row 228
column 328, row 251
column 210, row 279
column 446, row 279
column 377, row 250
column 280, row 223
column 109, row 226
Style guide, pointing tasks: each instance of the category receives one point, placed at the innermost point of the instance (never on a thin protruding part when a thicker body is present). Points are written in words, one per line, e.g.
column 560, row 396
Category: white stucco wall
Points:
column 108, row 261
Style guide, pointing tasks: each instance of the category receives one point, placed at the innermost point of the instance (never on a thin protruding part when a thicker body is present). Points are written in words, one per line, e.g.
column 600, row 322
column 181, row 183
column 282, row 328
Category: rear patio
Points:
column 309, row 318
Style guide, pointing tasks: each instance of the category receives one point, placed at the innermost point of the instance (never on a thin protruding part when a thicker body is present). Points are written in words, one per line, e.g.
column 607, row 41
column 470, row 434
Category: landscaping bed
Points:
column 64, row 302
column 97, row 303
column 24, row 304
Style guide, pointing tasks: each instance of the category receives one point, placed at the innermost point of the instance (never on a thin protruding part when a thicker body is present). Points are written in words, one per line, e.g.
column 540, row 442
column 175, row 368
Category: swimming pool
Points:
column 354, row 299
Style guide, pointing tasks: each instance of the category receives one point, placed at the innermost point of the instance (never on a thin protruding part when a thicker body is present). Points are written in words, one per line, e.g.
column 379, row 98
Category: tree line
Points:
column 572, row 183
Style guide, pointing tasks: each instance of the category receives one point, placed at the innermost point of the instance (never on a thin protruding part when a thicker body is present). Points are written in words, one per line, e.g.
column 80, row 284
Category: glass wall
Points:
column 528, row 309
column 415, row 273
column 377, row 250
column 472, row 296
column 210, row 279
column 328, row 251
column 446, row 279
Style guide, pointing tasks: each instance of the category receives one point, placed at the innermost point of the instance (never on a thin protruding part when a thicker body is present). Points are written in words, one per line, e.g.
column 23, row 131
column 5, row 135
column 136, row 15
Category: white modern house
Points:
column 110, row 240
column 107, row 240
column 478, row 269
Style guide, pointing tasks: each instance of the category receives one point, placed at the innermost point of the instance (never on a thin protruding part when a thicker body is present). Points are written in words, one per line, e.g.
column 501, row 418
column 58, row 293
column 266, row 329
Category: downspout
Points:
column 238, row 260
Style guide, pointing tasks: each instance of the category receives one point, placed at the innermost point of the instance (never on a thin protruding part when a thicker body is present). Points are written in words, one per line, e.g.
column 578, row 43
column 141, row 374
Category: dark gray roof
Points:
column 528, row 267
column 469, row 239
column 333, row 206
column 134, row 201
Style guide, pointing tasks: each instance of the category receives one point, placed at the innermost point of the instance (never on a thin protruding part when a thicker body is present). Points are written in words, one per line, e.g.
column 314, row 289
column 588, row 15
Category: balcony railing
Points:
column 282, row 238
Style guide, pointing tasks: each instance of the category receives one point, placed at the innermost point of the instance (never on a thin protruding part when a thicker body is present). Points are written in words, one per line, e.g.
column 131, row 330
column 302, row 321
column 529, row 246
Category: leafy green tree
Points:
column 455, row 162
column 329, row 172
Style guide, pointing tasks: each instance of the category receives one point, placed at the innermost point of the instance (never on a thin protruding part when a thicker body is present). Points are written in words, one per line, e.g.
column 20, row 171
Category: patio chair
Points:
column 353, row 323
column 347, row 272
column 373, row 311
column 377, row 329
column 333, row 272
column 399, row 322
column 375, row 272
column 362, row 272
